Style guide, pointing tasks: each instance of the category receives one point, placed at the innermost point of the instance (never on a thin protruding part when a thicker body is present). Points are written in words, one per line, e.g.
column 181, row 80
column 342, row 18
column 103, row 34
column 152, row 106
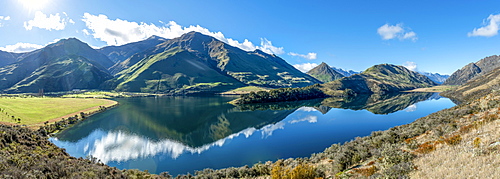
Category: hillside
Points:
column 379, row 79
column 120, row 53
column 62, row 66
column 473, row 70
column 476, row 87
column 196, row 62
column 324, row 73
column 7, row 58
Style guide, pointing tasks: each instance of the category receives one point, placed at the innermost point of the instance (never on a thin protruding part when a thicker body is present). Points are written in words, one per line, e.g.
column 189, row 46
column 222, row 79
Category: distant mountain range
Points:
column 436, row 77
column 320, row 72
column 324, row 73
column 473, row 70
column 345, row 72
column 192, row 63
column 379, row 79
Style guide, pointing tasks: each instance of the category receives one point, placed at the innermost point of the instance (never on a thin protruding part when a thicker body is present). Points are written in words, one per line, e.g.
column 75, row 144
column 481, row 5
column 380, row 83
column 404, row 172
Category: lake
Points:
column 184, row 134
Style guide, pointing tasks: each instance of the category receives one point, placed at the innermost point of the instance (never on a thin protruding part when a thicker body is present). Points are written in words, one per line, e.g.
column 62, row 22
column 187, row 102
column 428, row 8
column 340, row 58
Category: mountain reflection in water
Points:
column 178, row 132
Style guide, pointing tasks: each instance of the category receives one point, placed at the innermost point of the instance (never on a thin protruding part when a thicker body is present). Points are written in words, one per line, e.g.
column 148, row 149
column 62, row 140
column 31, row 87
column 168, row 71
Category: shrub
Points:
column 426, row 147
column 367, row 171
column 453, row 140
column 477, row 142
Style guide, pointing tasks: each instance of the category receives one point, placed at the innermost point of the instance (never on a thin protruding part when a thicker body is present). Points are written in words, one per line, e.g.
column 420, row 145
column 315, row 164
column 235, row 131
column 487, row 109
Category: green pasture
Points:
column 33, row 110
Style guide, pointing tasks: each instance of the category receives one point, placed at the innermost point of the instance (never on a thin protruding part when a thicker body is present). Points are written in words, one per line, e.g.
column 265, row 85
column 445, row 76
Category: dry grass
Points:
column 477, row 155
column 433, row 89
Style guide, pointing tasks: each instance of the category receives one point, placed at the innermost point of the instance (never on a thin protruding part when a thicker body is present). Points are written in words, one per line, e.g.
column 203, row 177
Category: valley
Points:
column 175, row 109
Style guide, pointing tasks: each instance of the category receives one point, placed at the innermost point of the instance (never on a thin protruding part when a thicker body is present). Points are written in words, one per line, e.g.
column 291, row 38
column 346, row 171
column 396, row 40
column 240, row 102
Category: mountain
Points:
column 62, row 66
column 379, row 79
column 7, row 58
column 120, row 53
column 197, row 62
column 345, row 72
column 473, row 70
column 324, row 73
column 476, row 87
column 436, row 77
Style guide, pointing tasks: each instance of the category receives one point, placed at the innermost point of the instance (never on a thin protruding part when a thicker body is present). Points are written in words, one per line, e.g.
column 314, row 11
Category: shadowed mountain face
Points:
column 62, row 66
column 120, row 53
column 324, row 73
column 379, row 79
column 196, row 62
column 473, row 70
column 7, row 58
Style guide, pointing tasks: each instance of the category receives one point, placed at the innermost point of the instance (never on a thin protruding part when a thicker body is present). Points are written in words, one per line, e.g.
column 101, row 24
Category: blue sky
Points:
column 427, row 35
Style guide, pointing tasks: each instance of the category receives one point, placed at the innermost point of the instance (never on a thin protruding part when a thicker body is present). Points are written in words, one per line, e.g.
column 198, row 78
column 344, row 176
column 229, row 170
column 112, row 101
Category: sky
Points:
column 424, row 35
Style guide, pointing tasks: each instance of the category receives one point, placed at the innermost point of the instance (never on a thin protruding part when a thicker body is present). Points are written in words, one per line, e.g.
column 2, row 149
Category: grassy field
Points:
column 34, row 110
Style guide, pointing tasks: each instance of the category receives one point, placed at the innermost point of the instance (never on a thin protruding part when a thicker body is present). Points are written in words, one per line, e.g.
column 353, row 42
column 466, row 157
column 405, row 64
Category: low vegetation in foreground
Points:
column 29, row 154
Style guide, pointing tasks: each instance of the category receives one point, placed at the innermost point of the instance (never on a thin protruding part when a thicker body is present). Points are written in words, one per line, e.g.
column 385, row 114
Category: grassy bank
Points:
column 434, row 89
column 34, row 111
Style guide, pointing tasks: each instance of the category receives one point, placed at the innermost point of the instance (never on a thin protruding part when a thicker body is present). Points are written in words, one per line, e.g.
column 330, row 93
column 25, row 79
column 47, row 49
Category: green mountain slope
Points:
column 380, row 79
column 324, row 73
column 473, row 70
column 65, row 65
column 196, row 62
column 173, row 71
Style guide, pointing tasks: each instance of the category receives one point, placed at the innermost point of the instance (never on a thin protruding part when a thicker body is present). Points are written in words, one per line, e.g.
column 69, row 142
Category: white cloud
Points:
column 388, row 32
column 86, row 32
column 267, row 46
column 3, row 18
column 48, row 22
column 309, row 56
column 21, row 47
column 489, row 30
column 119, row 32
column 410, row 65
column 305, row 67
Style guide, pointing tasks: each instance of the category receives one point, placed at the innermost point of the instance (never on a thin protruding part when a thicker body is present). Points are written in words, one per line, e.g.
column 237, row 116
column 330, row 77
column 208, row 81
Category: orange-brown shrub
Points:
column 453, row 140
column 426, row 147
column 367, row 171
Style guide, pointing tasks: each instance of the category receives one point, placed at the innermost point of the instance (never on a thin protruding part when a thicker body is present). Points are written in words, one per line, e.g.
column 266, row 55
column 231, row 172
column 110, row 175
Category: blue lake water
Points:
column 184, row 134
